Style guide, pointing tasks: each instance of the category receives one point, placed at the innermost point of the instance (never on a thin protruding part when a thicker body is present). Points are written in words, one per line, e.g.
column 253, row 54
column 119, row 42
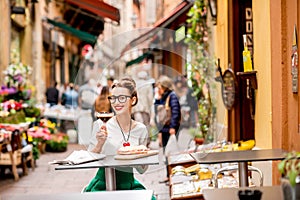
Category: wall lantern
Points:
column 213, row 9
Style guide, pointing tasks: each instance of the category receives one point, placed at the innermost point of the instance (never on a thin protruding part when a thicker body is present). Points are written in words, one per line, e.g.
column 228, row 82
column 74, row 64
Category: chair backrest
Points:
column 235, row 167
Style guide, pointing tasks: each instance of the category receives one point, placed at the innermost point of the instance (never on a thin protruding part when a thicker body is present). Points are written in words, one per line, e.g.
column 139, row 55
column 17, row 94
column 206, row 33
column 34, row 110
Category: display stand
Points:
column 184, row 160
column 13, row 155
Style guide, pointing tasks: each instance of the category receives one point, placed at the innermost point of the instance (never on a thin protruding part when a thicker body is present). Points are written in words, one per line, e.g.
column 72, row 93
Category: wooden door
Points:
column 241, row 117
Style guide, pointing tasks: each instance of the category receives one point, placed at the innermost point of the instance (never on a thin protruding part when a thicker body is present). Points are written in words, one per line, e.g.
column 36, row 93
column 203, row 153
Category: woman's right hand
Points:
column 101, row 135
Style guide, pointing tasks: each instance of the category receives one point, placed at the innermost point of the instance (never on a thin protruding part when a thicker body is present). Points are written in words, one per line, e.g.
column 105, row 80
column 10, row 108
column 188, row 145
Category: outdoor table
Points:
column 241, row 157
column 109, row 163
column 268, row 192
column 112, row 195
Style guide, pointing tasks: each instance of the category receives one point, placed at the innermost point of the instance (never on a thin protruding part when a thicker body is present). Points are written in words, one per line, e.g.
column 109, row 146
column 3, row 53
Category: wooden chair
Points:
column 10, row 158
column 13, row 155
column 27, row 154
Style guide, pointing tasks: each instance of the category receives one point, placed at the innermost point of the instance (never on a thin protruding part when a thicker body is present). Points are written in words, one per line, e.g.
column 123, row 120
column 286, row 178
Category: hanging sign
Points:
column 295, row 62
column 229, row 88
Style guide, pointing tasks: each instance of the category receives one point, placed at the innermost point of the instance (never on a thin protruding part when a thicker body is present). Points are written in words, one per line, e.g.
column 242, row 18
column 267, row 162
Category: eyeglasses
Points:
column 121, row 98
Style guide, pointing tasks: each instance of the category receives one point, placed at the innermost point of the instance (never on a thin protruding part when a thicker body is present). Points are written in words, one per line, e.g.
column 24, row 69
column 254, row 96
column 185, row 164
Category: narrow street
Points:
column 46, row 180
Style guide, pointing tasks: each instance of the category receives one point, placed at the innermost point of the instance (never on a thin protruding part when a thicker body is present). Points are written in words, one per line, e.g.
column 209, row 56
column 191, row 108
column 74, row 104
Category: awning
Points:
column 84, row 36
column 165, row 22
column 98, row 7
column 138, row 59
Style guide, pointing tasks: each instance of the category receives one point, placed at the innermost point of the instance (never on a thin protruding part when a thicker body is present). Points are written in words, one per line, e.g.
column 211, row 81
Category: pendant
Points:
column 126, row 144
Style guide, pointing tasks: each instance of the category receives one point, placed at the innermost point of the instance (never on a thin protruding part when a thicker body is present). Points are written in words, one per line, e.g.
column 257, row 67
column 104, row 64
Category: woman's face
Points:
column 122, row 100
column 160, row 89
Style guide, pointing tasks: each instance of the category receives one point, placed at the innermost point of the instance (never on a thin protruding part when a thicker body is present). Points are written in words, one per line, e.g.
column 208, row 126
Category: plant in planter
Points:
column 290, row 167
column 57, row 143
column 201, row 67
column 197, row 135
column 290, row 171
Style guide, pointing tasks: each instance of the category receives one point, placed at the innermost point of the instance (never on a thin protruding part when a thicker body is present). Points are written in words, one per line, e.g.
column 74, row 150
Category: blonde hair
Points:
column 165, row 82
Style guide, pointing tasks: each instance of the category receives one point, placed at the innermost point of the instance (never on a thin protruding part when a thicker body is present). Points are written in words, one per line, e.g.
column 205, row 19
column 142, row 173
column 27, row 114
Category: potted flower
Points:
column 197, row 135
column 38, row 137
column 16, row 74
column 57, row 143
column 11, row 112
column 289, row 168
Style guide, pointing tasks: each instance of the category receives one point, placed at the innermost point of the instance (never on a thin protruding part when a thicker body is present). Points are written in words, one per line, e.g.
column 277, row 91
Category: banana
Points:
column 239, row 146
column 246, row 145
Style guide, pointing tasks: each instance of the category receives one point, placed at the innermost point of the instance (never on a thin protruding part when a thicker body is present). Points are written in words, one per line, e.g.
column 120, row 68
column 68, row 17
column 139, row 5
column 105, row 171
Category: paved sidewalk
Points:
column 45, row 179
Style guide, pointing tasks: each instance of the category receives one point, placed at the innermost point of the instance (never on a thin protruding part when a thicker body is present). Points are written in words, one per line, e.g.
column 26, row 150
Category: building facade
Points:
column 270, row 26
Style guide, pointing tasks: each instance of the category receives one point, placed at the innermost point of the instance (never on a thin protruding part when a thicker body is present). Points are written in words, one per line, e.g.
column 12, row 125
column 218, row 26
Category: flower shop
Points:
column 24, row 133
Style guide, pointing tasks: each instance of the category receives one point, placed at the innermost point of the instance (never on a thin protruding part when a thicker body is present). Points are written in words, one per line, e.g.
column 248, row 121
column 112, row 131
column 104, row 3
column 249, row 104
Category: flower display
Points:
column 38, row 136
column 6, row 90
column 38, row 133
column 11, row 105
column 48, row 124
column 16, row 74
column 11, row 112
column 58, row 143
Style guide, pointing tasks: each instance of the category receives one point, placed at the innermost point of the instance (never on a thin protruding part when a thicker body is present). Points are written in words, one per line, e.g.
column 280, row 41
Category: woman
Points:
column 164, row 90
column 119, row 131
column 102, row 103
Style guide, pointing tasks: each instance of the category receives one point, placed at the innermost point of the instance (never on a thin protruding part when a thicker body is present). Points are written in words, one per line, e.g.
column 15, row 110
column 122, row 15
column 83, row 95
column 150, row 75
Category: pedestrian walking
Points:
column 52, row 98
column 52, row 95
column 189, row 111
column 87, row 95
column 70, row 101
column 102, row 103
column 165, row 94
column 70, row 97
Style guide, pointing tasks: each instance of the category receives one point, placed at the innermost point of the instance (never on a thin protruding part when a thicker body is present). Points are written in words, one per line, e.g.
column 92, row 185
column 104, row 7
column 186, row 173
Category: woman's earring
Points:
column 133, row 101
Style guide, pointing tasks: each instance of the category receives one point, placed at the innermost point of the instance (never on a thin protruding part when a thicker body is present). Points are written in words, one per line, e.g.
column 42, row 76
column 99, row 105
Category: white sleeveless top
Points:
column 114, row 140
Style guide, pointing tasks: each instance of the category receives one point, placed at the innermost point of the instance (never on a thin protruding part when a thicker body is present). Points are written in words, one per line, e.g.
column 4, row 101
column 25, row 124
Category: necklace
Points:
column 125, row 143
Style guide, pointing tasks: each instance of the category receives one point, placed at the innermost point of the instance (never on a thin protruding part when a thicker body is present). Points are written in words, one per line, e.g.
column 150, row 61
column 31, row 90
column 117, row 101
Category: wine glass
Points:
column 104, row 116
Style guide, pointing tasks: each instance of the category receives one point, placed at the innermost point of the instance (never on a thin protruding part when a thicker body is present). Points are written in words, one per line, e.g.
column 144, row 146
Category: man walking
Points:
column 52, row 95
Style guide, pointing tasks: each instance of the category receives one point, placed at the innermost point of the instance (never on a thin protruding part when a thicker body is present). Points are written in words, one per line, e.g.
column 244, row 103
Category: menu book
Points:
column 79, row 157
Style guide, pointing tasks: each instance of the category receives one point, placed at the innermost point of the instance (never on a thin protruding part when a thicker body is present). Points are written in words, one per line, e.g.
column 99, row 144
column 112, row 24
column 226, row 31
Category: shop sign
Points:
column 295, row 58
column 249, row 29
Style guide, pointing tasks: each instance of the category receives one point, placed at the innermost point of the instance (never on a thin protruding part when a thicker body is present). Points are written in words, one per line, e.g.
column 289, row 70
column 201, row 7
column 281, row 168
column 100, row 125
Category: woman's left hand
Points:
column 172, row 131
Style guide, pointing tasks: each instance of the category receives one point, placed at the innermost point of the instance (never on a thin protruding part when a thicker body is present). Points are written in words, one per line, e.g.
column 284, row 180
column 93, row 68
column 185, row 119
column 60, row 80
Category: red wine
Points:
column 104, row 116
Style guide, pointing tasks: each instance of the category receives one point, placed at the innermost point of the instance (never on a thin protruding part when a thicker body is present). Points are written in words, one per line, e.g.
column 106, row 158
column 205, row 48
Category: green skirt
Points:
column 124, row 181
